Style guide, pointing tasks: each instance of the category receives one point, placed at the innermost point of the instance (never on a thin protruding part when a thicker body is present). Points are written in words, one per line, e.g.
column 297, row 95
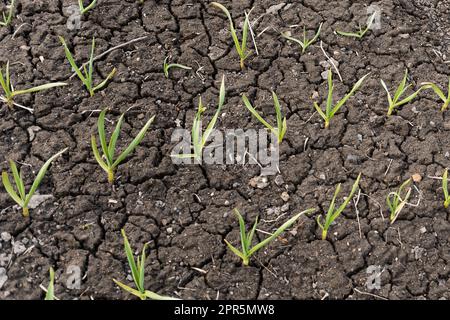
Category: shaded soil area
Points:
column 185, row 212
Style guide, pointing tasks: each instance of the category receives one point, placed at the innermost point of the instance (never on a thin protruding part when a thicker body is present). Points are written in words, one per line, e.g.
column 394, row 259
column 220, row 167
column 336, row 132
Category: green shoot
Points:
column 84, row 9
column 10, row 93
column 109, row 165
column 439, row 92
column 330, row 111
column 246, row 238
column 87, row 76
column 241, row 48
column 332, row 214
column 395, row 201
column 7, row 18
column 50, row 295
column 21, row 198
column 394, row 102
column 138, row 274
column 167, row 66
column 198, row 139
column 359, row 34
column 445, row 188
column 306, row 42
column 281, row 128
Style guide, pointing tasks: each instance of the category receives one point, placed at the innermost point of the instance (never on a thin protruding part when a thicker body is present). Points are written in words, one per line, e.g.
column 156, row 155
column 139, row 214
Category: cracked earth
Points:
column 184, row 212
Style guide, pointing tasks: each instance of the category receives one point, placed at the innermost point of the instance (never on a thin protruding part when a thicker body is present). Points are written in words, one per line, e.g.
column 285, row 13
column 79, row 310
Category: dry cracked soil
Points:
column 184, row 212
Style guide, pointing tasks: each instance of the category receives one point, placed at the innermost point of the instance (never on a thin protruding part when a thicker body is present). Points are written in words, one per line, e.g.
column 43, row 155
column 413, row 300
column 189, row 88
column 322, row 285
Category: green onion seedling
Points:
column 10, row 93
column 281, row 128
column 359, row 34
column 167, row 66
column 138, row 274
column 109, row 165
column 306, row 42
column 87, row 76
column 50, row 294
column 20, row 197
column 330, row 111
column 84, row 9
column 7, row 18
column 241, row 47
column 246, row 238
column 439, row 92
column 199, row 140
column 332, row 214
column 445, row 188
column 395, row 201
column 395, row 102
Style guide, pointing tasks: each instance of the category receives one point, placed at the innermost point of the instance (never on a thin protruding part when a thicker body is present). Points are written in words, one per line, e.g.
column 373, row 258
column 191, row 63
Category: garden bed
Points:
column 184, row 212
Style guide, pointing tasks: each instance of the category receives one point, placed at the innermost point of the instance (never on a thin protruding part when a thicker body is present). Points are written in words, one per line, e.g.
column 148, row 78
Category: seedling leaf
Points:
column 138, row 274
column 246, row 239
column 330, row 111
column 50, row 295
column 306, row 42
column 86, row 76
column 109, row 149
column 333, row 214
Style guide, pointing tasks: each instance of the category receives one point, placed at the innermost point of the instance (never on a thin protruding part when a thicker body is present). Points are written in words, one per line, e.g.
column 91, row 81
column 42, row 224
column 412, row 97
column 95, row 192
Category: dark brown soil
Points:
column 184, row 212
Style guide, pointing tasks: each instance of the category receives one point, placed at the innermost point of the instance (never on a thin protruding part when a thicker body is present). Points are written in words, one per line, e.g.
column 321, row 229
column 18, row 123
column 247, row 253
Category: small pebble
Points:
column 447, row 125
column 259, row 182
column 5, row 236
column 285, row 196
column 18, row 248
column 360, row 137
column 416, row 177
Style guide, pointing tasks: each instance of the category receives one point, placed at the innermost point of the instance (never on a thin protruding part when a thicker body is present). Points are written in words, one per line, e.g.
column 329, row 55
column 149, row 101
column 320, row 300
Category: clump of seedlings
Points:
column 396, row 201
column 246, row 238
column 20, row 197
column 109, row 165
column 241, row 47
column 306, row 42
column 281, row 128
column 83, row 8
column 138, row 274
column 198, row 139
column 86, row 75
column 331, row 110
column 8, row 17
column 333, row 213
column 10, row 93
column 359, row 34
column 50, row 294
column 167, row 67
column 445, row 99
column 395, row 102
column 445, row 189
